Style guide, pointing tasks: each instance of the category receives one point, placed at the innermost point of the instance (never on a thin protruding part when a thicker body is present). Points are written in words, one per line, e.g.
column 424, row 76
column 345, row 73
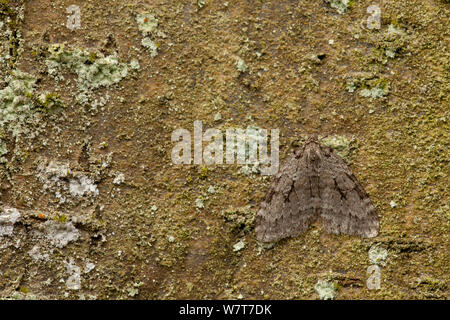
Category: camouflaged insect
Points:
column 315, row 183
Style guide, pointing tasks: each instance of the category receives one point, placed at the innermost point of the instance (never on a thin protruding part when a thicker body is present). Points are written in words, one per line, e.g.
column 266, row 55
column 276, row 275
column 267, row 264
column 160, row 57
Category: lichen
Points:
column 378, row 255
column 93, row 70
column 119, row 179
column 17, row 110
column 239, row 246
column 82, row 185
column 341, row 144
column 8, row 217
column 151, row 46
column 73, row 282
column 341, row 6
column 325, row 289
column 147, row 23
column 370, row 86
column 241, row 65
column 59, row 234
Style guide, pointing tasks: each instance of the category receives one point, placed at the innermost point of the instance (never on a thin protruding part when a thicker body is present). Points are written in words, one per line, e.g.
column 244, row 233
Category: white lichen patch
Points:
column 241, row 66
column 8, row 217
column 88, row 267
column 390, row 53
column 134, row 64
column 239, row 246
column 119, row 179
column 378, row 255
column 60, row 234
column 199, row 203
column 67, row 186
column 81, row 186
column 36, row 254
column 54, row 172
column 211, row 190
column 325, row 289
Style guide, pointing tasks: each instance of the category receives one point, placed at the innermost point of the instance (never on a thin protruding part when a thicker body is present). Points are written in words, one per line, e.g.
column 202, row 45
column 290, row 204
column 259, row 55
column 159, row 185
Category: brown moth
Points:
column 315, row 183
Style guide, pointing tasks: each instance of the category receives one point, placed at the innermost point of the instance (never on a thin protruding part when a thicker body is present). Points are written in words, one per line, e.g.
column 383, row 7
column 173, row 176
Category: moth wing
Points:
column 287, row 209
column 345, row 206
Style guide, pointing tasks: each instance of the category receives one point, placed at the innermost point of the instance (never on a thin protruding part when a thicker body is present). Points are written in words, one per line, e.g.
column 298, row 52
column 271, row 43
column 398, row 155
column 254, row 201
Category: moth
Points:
column 315, row 184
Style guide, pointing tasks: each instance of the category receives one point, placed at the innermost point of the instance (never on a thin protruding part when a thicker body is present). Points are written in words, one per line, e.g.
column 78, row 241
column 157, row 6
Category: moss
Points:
column 62, row 218
column 239, row 219
column 23, row 289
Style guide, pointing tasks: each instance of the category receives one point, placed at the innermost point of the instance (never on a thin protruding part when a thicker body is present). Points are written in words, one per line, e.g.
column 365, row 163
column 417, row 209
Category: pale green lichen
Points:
column 94, row 70
column 16, row 103
column 147, row 23
column 341, row 144
column 201, row 3
column 341, row 6
column 390, row 53
column 325, row 289
column 380, row 90
column 241, row 66
column 133, row 289
column 151, row 46
column 370, row 86
column 199, row 203
column 394, row 30
column 239, row 219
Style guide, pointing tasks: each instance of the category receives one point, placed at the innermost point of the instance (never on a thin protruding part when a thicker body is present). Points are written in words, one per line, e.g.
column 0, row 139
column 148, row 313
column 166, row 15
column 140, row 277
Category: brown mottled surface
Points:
column 399, row 148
